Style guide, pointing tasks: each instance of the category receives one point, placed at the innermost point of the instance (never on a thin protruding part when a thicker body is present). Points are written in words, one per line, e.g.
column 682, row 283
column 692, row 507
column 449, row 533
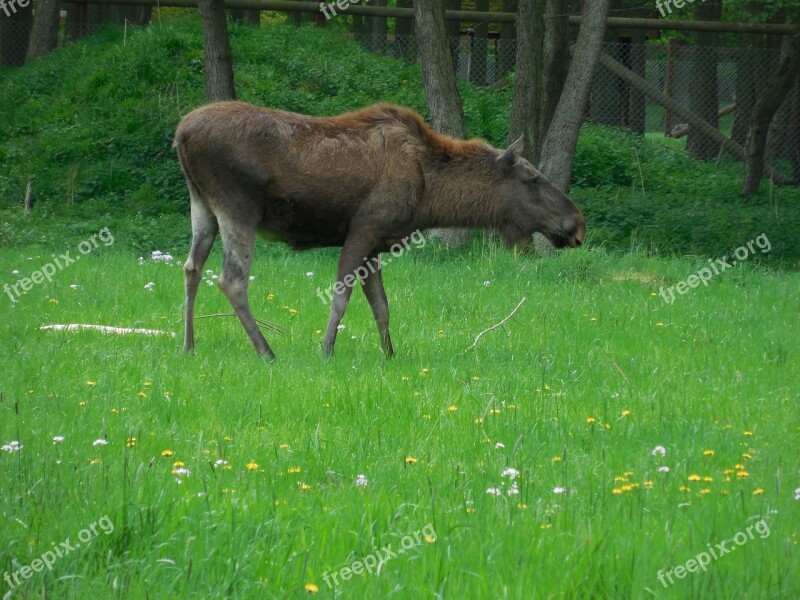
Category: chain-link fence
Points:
column 719, row 84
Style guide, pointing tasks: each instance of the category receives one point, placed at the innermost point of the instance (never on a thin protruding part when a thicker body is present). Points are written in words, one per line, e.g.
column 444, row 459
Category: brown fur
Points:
column 363, row 180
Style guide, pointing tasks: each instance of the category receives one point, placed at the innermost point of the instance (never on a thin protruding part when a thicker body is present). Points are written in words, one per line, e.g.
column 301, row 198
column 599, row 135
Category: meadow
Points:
column 601, row 443
column 600, row 438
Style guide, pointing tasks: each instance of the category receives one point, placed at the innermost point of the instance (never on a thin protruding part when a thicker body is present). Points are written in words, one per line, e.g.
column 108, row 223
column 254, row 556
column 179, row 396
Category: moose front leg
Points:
column 372, row 285
column 356, row 247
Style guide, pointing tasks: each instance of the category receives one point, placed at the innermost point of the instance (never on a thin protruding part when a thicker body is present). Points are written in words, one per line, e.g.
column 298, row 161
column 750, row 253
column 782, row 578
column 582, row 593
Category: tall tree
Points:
column 704, row 85
column 556, row 60
column 768, row 103
column 526, row 105
column 558, row 149
column 44, row 36
column 217, row 51
column 441, row 91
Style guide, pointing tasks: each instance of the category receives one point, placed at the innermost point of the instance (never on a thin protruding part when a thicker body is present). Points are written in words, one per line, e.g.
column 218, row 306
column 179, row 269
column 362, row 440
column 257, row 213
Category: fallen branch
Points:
column 105, row 329
column 500, row 324
column 266, row 324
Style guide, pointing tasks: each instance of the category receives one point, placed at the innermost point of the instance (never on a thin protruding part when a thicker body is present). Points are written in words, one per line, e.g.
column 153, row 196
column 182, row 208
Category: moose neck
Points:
column 459, row 190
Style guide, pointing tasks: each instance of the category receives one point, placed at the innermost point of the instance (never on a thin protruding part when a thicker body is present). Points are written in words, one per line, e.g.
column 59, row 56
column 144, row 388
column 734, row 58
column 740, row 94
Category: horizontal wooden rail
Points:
column 470, row 16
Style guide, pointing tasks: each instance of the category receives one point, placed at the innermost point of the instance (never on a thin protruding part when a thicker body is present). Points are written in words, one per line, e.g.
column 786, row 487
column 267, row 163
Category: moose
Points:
column 361, row 181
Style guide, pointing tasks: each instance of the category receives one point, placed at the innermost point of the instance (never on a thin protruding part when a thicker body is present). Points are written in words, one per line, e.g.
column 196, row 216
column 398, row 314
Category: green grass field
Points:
column 227, row 476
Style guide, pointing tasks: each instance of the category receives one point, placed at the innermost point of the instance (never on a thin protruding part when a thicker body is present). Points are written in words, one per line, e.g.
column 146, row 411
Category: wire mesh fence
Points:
column 720, row 84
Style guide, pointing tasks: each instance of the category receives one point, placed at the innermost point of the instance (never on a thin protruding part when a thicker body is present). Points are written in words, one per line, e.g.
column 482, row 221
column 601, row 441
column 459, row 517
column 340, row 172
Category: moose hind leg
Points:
column 372, row 285
column 237, row 242
column 204, row 230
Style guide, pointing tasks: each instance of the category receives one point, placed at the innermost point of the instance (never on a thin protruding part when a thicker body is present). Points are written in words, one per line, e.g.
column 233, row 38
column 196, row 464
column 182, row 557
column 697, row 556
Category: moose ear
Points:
column 509, row 157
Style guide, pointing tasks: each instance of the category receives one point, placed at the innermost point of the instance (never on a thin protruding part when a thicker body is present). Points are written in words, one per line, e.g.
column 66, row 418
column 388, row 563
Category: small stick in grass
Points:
column 271, row 326
column 500, row 324
column 105, row 329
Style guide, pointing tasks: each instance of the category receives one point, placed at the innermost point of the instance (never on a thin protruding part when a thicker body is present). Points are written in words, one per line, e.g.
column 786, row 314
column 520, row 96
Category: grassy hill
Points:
column 90, row 128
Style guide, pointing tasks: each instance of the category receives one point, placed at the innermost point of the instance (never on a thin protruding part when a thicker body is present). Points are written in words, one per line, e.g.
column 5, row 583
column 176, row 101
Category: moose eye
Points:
column 534, row 179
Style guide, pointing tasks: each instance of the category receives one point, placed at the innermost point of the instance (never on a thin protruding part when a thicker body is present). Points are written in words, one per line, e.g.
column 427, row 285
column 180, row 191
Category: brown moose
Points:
column 362, row 180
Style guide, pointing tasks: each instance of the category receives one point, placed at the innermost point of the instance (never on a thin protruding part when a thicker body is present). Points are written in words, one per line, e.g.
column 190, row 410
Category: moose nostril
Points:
column 578, row 242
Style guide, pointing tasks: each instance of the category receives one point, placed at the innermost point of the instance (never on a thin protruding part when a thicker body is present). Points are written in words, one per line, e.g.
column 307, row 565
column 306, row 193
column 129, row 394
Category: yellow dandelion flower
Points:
column 53, row 301
column 167, row 453
column 512, row 407
column 728, row 471
column 142, row 394
column 479, row 421
column 556, row 459
column 147, row 383
column 590, row 420
column 424, row 371
column 426, row 416
column 683, row 488
column 293, row 470
column 452, row 408
column 545, row 526
column 131, row 442
column 708, row 479
column 694, row 477
column 616, row 491
column 470, row 509
column 620, row 478
column 758, row 491
column 441, row 333
column 626, row 488
column 522, row 506
column 252, row 466
column 114, row 411
column 227, row 438
column 81, row 403
column 705, row 491
column 405, row 377
column 95, row 461
column 738, row 467
column 494, row 411
column 410, row 460
column 90, row 383
column 653, row 294
column 311, row 588
column 628, row 473
column 475, row 378
column 593, row 319
column 708, row 453
column 648, row 484
column 293, row 312
column 742, row 474
column 429, row 539
column 748, row 433
column 270, row 296
column 746, row 456
column 626, row 413
column 178, row 464
column 659, row 324
column 284, row 446
column 303, row 486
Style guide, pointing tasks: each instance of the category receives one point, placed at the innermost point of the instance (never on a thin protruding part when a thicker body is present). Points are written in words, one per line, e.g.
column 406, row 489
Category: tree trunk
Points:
column 768, row 103
column 441, row 91
column 453, row 29
column 558, row 149
column 604, row 101
column 527, row 103
column 556, row 60
column 15, row 30
column 217, row 52
column 704, row 85
column 44, row 36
